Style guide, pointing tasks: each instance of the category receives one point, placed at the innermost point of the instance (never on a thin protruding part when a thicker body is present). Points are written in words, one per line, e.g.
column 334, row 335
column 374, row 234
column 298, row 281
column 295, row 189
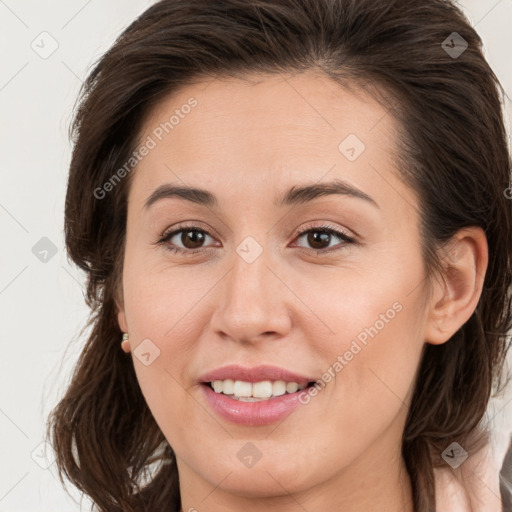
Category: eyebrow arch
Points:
column 305, row 193
column 295, row 195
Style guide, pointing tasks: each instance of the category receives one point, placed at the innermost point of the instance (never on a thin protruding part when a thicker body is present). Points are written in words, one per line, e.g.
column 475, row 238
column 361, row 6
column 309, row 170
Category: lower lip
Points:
column 263, row 412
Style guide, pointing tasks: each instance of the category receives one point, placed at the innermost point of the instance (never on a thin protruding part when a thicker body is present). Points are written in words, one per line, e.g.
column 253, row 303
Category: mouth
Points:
column 260, row 391
column 255, row 396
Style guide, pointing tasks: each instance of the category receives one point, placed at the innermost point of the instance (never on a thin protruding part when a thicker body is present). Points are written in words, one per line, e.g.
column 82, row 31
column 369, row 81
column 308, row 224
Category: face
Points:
column 265, row 284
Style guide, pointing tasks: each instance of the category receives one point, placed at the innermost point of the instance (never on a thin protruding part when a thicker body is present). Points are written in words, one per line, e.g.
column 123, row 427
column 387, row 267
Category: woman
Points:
column 294, row 216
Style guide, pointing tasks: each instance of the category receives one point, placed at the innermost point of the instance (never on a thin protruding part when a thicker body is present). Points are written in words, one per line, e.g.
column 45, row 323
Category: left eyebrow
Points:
column 295, row 195
column 307, row 193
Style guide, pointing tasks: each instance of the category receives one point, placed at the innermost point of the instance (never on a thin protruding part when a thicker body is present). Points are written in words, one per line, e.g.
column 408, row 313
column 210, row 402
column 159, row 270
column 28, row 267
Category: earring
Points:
column 125, row 344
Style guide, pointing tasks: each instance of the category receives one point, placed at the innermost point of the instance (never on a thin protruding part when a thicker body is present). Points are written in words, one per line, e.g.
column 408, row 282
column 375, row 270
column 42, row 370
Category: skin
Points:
column 298, row 310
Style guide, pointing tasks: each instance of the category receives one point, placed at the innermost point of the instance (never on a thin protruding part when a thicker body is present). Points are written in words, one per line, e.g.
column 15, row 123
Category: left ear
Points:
column 456, row 294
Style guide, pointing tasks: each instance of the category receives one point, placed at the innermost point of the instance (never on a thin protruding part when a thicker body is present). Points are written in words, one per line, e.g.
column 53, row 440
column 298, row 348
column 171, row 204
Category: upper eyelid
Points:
column 192, row 227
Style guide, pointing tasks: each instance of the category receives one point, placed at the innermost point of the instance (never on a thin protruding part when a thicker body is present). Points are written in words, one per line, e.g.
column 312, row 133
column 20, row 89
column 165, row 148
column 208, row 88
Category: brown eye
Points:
column 185, row 240
column 192, row 239
column 320, row 237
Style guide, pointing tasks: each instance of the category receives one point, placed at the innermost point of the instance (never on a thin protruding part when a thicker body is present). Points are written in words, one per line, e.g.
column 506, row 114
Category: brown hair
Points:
column 453, row 153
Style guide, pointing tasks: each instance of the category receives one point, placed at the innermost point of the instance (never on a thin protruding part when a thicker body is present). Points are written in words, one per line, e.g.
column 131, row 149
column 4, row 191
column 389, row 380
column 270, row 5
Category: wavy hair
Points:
column 453, row 153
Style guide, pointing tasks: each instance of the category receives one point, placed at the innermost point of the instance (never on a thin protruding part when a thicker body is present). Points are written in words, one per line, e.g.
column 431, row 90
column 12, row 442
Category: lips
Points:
column 253, row 411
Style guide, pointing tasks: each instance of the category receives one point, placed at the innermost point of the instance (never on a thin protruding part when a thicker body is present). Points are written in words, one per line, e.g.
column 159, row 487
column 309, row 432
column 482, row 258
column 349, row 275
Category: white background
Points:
column 42, row 303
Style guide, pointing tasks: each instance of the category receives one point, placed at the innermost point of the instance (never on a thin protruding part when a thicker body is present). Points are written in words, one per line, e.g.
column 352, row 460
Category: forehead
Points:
column 267, row 131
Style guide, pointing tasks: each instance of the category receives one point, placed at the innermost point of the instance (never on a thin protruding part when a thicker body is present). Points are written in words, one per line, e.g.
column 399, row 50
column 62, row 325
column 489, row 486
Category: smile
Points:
column 252, row 396
column 254, row 391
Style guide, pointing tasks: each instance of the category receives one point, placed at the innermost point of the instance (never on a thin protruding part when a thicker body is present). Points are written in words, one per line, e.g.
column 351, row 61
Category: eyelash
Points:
column 325, row 228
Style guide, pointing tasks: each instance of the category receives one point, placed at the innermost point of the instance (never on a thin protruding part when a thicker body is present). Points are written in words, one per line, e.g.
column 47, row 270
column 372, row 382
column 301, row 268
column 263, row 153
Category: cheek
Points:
column 371, row 315
column 366, row 386
column 374, row 325
column 378, row 364
column 160, row 299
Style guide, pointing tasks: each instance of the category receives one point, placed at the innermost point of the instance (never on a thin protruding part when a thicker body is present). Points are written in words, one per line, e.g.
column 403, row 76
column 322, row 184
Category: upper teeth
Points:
column 264, row 389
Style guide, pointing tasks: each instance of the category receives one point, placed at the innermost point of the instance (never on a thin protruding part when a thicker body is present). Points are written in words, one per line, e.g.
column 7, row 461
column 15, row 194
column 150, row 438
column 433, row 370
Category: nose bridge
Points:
column 249, row 280
column 252, row 255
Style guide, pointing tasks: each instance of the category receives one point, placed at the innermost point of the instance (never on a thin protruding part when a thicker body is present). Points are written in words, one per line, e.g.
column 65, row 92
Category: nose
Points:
column 253, row 302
